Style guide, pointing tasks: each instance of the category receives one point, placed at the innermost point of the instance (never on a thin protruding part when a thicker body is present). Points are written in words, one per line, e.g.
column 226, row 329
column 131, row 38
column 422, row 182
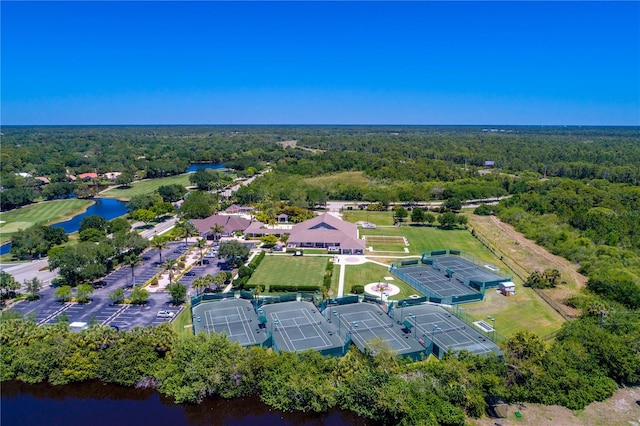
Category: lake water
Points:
column 195, row 167
column 108, row 208
column 97, row 404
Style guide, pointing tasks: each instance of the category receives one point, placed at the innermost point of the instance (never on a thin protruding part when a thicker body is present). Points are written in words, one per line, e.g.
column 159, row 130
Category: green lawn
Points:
column 300, row 270
column 523, row 311
column 182, row 321
column 146, row 186
column 379, row 218
column 46, row 212
column 368, row 273
column 424, row 238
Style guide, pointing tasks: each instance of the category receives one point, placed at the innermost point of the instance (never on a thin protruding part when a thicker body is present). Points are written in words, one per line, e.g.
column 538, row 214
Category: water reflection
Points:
column 99, row 404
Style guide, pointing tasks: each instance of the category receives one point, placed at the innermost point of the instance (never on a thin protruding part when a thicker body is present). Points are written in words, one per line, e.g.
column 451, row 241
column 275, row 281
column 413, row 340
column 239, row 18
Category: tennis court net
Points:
column 359, row 329
column 285, row 327
column 219, row 325
column 449, row 330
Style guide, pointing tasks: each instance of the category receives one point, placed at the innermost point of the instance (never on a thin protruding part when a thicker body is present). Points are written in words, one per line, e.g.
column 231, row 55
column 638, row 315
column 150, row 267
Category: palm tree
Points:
column 201, row 243
column 187, row 230
column 216, row 230
column 170, row 266
column 160, row 243
column 132, row 260
column 198, row 284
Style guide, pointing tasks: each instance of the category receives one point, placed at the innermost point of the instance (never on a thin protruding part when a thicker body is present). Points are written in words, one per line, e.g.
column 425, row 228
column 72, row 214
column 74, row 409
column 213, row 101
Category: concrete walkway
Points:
column 189, row 258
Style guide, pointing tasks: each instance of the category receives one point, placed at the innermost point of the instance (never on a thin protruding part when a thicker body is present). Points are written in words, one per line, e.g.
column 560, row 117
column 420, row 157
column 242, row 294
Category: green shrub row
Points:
column 281, row 288
column 245, row 272
column 328, row 273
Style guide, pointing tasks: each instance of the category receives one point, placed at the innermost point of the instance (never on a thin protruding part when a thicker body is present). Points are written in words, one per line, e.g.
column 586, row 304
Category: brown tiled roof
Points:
column 229, row 224
column 326, row 229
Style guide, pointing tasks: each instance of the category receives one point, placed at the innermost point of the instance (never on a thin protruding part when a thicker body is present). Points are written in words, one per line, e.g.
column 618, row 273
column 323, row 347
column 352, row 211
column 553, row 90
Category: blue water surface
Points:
column 194, row 167
column 108, row 208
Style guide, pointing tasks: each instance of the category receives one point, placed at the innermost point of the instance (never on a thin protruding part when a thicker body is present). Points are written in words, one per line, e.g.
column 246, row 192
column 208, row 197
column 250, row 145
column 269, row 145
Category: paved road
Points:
column 26, row 271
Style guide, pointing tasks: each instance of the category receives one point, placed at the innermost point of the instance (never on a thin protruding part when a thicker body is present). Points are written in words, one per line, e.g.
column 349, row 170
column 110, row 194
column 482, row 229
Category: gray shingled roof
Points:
column 326, row 229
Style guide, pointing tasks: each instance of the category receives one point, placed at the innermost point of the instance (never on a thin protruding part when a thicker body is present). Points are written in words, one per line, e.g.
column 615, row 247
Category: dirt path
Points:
column 620, row 409
column 560, row 263
column 525, row 256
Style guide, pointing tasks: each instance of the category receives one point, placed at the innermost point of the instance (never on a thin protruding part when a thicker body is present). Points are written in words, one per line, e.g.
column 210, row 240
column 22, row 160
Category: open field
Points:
column 302, row 270
column 356, row 178
column 370, row 273
column 46, row 212
column 146, row 186
column 528, row 257
column 424, row 238
column 522, row 311
column 621, row 409
column 379, row 218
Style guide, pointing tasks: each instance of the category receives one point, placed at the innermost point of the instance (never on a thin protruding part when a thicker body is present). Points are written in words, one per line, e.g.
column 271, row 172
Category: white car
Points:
column 165, row 314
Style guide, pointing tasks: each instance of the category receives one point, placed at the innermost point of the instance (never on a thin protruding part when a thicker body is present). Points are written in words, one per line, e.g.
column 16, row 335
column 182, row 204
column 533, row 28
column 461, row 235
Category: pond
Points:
column 99, row 404
column 194, row 167
column 108, row 208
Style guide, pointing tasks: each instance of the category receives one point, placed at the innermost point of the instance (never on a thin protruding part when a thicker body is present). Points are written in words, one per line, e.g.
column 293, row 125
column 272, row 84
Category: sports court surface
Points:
column 433, row 323
column 297, row 326
column 365, row 321
column 234, row 317
column 463, row 269
column 436, row 281
column 451, row 279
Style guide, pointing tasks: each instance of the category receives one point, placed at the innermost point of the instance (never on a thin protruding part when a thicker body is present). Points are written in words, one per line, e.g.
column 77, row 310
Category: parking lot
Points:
column 47, row 309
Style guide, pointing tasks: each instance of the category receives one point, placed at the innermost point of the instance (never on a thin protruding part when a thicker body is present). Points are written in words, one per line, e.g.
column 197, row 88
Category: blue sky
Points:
column 320, row 63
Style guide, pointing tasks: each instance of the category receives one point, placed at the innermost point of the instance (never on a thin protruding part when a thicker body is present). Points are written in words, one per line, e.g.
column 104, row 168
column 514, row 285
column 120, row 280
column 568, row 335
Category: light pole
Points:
column 493, row 320
column 402, row 311
column 275, row 322
column 415, row 325
column 433, row 330
column 337, row 315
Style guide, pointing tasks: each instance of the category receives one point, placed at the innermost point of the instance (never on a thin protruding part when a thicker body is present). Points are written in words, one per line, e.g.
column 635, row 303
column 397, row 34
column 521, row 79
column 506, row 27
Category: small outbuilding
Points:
column 507, row 288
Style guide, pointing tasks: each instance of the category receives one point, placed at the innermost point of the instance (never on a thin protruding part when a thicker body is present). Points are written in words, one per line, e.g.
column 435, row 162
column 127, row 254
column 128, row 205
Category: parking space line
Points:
column 59, row 311
column 115, row 315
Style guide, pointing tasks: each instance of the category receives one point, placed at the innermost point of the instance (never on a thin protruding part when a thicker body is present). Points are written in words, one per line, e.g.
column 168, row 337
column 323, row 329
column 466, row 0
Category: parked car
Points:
column 190, row 274
column 165, row 314
column 205, row 261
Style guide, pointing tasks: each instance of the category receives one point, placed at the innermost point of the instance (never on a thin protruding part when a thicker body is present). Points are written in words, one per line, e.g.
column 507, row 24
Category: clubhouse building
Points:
column 328, row 232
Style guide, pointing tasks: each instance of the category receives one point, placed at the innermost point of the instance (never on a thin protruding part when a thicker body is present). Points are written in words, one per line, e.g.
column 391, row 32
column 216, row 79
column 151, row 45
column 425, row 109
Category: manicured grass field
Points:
column 287, row 269
column 523, row 311
column 368, row 273
column 146, row 186
column 46, row 212
column 379, row 218
column 425, row 238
